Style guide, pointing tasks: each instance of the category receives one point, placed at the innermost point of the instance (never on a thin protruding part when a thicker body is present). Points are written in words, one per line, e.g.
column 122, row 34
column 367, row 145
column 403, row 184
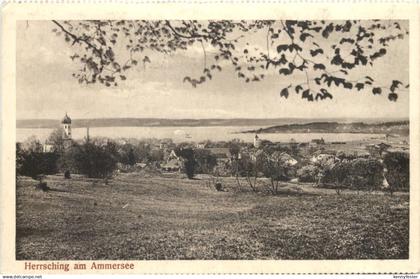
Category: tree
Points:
column 189, row 161
column 322, row 53
column 339, row 173
column 397, row 173
column 94, row 159
column 35, row 164
column 20, row 159
column 56, row 138
column 308, row 173
column 275, row 168
column 205, row 161
column 32, row 144
column 128, row 154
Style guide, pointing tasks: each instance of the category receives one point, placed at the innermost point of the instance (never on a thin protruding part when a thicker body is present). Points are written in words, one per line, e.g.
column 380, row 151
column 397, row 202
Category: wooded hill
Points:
column 394, row 127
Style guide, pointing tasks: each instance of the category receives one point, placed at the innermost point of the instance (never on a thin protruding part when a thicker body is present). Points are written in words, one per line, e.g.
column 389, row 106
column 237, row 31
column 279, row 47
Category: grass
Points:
column 149, row 218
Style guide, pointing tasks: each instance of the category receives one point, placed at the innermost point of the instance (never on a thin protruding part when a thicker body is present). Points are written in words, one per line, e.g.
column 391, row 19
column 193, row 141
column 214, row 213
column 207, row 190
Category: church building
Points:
column 66, row 124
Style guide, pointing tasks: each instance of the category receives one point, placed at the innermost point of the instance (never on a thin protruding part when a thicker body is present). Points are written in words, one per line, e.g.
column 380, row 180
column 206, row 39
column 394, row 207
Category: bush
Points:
column 128, row 155
column 397, row 173
column 358, row 174
column 92, row 159
column 308, row 173
column 33, row 164
column 365, row 174
column 67, row 174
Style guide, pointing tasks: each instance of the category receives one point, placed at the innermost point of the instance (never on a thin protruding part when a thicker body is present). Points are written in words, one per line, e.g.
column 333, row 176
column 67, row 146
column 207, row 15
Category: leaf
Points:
column 303, row 36
column 346, row 40
column 296, row 47
column 337, row 81
column 187, row 79
column 146, row 59
column 359, row 86
column 348, row 85
column 395, row 84
column 283, row 59
column 337, row 60
column 326, row 94
column 284, row 71
column 298, row 88
column 392, row 97
column 281, row 48
column 123, row 77
column 376, row 90
column 284, row 93
column 307, row 95
column 327, row 31
column 369, row 78
column 319, row 67
column 319, row 96
column 316, row 52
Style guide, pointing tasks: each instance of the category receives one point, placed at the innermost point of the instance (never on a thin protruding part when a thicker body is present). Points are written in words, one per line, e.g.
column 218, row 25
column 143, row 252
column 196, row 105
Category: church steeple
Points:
column 66, row 122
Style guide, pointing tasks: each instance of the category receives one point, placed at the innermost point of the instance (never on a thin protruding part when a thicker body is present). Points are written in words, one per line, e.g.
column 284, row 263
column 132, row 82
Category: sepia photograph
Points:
column 210, row 139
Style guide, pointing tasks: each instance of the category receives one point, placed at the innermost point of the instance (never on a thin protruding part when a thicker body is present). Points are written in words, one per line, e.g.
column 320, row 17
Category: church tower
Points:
column 66, row 122
column 257, row 141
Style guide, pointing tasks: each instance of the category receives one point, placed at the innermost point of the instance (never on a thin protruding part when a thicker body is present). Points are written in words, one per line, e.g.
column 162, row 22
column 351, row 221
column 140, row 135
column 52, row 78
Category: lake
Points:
column 192, row 134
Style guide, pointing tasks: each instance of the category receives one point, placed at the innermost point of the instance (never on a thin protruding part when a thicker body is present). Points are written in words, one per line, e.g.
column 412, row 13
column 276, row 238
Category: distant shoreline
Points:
column 393, row 127
column 265, row 124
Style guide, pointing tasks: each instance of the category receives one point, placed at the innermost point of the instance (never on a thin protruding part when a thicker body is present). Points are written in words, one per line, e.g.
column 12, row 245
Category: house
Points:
column 174, row 163
column 47, row 147
column 320, row 141
column 141, row 165
column 201, row 145
column 376, row 150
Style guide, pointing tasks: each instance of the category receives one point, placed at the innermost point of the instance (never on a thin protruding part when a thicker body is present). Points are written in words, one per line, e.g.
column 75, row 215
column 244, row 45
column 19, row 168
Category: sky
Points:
column 46, row 88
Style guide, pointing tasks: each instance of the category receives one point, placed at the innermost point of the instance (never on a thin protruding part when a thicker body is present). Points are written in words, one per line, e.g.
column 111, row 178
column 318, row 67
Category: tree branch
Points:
column 77, row 39
column 193, row 36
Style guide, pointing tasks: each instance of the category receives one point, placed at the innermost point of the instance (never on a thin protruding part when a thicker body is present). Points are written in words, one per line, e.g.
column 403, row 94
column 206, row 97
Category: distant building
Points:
column 66, row 123
column 201, row 145
column 174, row 163
column 257, row 141
column 47, row 147
column 320, row 141
column 376, row 150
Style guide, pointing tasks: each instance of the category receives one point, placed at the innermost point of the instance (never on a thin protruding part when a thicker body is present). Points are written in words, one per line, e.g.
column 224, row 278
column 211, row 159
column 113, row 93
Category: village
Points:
column 156, row 200
column 232, row 158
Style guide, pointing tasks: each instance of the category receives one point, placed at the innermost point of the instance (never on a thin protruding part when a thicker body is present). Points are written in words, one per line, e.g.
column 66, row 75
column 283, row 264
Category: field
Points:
column 150, row 217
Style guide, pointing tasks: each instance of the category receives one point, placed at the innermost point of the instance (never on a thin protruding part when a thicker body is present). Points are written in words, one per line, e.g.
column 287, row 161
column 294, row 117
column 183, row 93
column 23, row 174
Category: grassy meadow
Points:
column 155, row 217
